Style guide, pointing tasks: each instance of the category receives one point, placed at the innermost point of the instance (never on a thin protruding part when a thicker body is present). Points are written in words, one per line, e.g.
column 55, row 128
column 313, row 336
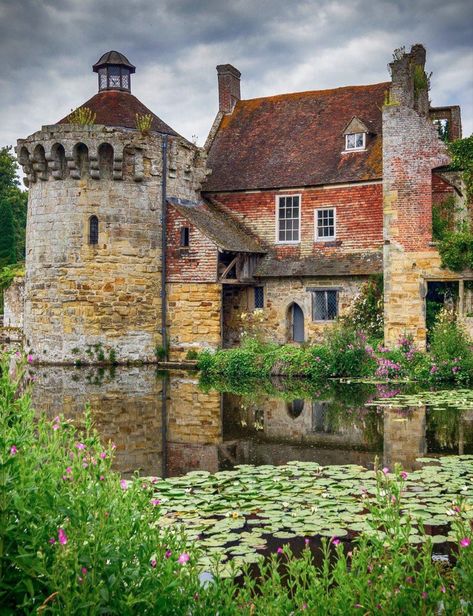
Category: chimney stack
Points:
column 228, row 87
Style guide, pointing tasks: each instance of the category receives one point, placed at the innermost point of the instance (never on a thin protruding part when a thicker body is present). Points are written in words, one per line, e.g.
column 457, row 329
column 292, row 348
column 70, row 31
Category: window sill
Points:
column 293, row 243
column 353, row 150
column 328, row 243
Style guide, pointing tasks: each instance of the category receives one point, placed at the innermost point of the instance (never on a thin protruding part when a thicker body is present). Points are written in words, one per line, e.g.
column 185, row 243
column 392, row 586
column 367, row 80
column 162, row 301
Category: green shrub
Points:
column 366, row 313
column 347, row 352
column 192, row 354
column 451, row 350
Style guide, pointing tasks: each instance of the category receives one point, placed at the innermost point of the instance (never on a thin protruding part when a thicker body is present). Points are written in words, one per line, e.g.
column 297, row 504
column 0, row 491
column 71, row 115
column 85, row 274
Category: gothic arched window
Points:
column 93, row 230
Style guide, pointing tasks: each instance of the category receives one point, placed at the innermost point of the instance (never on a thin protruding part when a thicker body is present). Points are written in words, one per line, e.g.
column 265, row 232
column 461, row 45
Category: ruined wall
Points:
column 80, row 294
column 194, row 317
column 13, row 303
column 359, row 213
column 279, row 294
column 411, row 149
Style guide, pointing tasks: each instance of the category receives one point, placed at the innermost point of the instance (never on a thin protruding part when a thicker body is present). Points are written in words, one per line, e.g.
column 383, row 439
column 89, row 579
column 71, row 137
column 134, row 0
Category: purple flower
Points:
column 103, row 455
column 433, row 369
column 84, row 571
column 183, row 558
column 29, row 359
column 80, row 446
column 155, row 501
column 101, row 478
column 280, row 550
column 424, row 595
column 13, row 450
column 465, row 542
column 335, row 540
column 403, row 475
column 168, row 554
column 443, row 589
column 56, row 426
column 52, row 540
column 385, row 470
column 124, row 484
column 306, row 541
column 68, row 470
column 153, row 563
column 62, row 537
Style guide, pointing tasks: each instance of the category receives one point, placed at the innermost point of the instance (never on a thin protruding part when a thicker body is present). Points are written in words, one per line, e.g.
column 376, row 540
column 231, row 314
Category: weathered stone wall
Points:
column 279, row 295
column 194, row 317
column 404, row 436
column 125, row 406
column 411, row 149
column 13, row 303
column 79, row 295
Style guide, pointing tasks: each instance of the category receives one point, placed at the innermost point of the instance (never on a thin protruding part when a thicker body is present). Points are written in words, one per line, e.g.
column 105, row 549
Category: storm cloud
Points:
column 47, row 49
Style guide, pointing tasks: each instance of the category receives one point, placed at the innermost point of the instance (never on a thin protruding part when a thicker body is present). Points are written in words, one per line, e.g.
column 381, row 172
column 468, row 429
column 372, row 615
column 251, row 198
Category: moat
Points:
column 167, row 424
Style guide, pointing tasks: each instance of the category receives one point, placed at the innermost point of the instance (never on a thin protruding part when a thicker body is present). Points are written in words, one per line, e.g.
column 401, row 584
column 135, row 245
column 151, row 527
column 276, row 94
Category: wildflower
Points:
column 101, row 478
column 424, row 595
column 84, row 464
column 183, row 558
column 154, row 480
column 29, row 359
column 403, row 475
column 13, row 450
column 84, row 571
column 306, row 541
column 385, row 470
column 52, row 540
column 280, row 550
column 455, row 369
column 335, row 540
column 103, row 455
column 68, row 470
column 443, row 589
column 124, row 484
column 80, row 446
column 153, row 563
column 465, row 542
column 56, row 426
column 62, row 537
column 168, row 554
column 155, row 501
column 433, row 369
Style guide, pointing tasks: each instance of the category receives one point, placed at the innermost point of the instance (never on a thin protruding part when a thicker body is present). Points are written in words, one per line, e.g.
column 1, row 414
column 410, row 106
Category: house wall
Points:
column 279, row 294
column 359, row 213
column 194, row 317
column 198, row 262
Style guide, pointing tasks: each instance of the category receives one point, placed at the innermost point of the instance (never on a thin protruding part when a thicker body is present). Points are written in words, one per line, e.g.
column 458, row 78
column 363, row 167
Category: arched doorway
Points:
column 295, row 408
column 296, row 323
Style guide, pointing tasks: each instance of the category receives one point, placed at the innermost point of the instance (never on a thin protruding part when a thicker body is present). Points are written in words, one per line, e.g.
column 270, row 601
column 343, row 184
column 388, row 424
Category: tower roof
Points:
column 115, row 58
column 118, row 108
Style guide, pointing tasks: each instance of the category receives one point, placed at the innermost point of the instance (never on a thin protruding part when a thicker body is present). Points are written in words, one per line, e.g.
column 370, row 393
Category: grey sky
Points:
column 47, row 48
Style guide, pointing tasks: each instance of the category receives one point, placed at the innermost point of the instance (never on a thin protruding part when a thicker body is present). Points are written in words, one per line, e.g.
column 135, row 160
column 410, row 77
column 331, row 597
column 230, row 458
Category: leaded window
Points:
column 93, row 230
column 259, row 297
column 324, row 305
column 325, row 224
column 289, row 215
column 184, row 237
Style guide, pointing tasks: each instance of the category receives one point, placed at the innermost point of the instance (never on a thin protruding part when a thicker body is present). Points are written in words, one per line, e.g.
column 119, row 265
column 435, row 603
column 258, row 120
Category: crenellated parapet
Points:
column 99, row 152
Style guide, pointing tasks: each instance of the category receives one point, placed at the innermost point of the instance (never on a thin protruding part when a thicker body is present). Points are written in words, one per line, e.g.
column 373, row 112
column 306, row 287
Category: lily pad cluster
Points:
column 233, row 514
column 461, row 399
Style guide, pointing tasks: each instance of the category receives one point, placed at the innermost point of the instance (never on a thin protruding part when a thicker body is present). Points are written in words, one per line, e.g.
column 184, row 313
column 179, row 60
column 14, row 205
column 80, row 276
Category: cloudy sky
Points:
column 47, row 48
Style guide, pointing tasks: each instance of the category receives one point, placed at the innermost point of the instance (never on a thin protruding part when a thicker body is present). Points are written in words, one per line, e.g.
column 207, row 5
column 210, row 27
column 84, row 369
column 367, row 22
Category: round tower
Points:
column 94, row 233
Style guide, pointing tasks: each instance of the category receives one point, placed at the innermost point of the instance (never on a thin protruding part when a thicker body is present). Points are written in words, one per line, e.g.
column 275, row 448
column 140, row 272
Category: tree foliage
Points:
column 13, row 207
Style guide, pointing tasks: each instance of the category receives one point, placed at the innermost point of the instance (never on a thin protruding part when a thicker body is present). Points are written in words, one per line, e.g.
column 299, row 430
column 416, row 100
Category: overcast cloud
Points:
column 47, row 48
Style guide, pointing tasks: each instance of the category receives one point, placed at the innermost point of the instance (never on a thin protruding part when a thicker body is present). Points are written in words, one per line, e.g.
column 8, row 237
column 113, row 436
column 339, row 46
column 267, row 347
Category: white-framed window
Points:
column 325, row 223
column 288, row 219
column 355, row 141
column 324, row 304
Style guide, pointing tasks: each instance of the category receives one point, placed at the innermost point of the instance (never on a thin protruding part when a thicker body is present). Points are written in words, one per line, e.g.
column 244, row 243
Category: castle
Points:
column 140, row 243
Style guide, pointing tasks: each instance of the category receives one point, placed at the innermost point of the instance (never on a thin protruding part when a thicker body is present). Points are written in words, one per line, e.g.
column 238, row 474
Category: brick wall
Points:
column 359, row 213
column 198, row 262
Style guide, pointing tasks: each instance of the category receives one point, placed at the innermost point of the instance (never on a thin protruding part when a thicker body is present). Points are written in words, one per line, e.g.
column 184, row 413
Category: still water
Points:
column 166, row 424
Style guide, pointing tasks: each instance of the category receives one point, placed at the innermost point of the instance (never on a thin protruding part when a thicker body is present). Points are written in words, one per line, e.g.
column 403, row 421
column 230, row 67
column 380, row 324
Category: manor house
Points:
column 139, row 242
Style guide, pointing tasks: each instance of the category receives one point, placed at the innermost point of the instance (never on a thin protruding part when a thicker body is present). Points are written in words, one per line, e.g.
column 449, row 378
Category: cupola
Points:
column 114, row 72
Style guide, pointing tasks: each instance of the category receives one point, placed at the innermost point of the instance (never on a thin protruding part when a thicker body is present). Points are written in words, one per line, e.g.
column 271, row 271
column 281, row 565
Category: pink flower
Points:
column 84, row 571
column 56, row 426
column 68, row 470
column 424, row 595
column 443, row 589
column 155, row 501
column 13, row 450
column 403, row 475
column 306, row 541
column 335, row 540
column 183, row 558
column 103, row 455
column 280, row 550
column 62, row 537
column 154, row 480
column 385, row 470
column 29, row 359
column 52, row 540
column 124, row 484
column 465, row 542
column 101, row 478
column 80, row 446
column 56, row 419
column 168, row 554
column 153, row 563
column 84, row 464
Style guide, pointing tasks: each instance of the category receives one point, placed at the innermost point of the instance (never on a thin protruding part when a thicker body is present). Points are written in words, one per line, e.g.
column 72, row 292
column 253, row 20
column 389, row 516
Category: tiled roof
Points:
column 353, row 264
column 223, row 230
column 294, row 140
column 119, row 108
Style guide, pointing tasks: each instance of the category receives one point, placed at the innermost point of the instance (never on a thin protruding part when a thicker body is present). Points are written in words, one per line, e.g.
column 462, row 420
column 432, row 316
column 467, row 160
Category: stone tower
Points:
column 94, row 262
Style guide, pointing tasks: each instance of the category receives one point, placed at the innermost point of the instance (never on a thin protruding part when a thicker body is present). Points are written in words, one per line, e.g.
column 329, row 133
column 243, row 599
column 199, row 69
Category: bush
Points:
column 366, row 313
column 347, row 352
column 451, row 350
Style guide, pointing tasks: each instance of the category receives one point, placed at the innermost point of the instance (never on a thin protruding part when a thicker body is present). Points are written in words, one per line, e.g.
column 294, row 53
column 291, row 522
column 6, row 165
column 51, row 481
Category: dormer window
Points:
column 355, row 141
column 355, row 135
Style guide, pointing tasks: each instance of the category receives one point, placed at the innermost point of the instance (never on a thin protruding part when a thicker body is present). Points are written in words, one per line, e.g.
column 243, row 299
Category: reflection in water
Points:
column 165, row 424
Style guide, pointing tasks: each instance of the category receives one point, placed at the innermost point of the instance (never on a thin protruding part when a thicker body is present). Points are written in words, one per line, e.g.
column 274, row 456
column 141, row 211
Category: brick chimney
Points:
column 410, row 83
column 228, row 87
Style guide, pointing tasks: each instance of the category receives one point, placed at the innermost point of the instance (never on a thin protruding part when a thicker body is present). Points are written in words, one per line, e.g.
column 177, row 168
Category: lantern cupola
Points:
column 114, row 71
